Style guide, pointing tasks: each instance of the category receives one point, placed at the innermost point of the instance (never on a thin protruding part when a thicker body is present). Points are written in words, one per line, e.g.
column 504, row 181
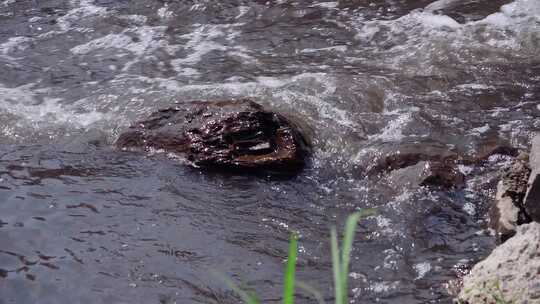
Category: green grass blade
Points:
column 336, row 266
column 252, row 297
column 290, row 271
column 348, row 238
column 247, row 297
column 307, row 288
column 367, row 212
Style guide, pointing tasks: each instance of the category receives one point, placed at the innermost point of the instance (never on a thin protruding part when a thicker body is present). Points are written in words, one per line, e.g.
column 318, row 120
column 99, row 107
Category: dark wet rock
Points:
column 531, row 202
column 230, row 134
column 467, row 10
column 408, row 155
column 401, row 160
column 384, row 9
column 510, row 273
column 444, row 175
column 488, row 151
column 507, row 212
column 430, row 174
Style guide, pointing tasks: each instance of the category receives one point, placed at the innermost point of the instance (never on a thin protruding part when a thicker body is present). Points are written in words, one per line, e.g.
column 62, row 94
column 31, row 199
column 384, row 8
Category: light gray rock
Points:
column 504, row 213
column 507, row 211
column 511, row 272
column 531, row 203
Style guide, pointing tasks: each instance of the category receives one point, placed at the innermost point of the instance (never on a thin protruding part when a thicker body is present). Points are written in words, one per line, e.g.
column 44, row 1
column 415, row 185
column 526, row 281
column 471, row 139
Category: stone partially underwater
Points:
column 507, row 211
column 464, row 11
column 237, row 135
column 517, row 200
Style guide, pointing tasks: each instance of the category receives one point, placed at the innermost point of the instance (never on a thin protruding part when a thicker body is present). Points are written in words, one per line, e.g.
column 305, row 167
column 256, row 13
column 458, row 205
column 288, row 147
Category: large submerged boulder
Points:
column 429, row 174
column 230, row 134
column 510, row 274
column 387, row 159
column 464, row 11
column 416, row 165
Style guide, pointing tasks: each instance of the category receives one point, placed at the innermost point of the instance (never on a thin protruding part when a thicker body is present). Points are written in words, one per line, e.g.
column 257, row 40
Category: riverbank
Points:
column 511, row 273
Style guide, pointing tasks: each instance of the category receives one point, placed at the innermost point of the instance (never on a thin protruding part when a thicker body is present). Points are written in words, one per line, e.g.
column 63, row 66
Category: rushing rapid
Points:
column 81, row 222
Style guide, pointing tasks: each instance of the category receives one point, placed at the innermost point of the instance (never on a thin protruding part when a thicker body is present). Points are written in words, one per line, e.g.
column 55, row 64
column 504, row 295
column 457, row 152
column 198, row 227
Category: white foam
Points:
column 82, row 9
column 139, row 20
column 480, row 130
column 469, row 208
column 509, row 14
column 522, row 9
column 367, row 32
column 35, row 19
column 330, row 4
column 497, row 19
column 204, row 40
column 120, row 41
column 390, row 260
column 436, row 21
column 520, row 16
column 271, row 82
column 242, row 10
column 423, row 43
column 15, row 44
column 23, row 102
column 198, row 7
column 51, row 110
column 474, row 86
column 385, row 227
column 321, row 102
column 8, row 2
column 465, row 169
column 187, row 72
column 338, row 48
column 21, row 94
column 383, row 287
column 282, row 90
column 165, row 13
column 199, row 51
column 149, row 39
column 437, row 5
column 393, row 131
column 422, row 269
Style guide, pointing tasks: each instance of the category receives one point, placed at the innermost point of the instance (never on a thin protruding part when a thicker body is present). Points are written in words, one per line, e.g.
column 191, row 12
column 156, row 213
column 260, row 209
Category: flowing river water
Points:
column 83, row 223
